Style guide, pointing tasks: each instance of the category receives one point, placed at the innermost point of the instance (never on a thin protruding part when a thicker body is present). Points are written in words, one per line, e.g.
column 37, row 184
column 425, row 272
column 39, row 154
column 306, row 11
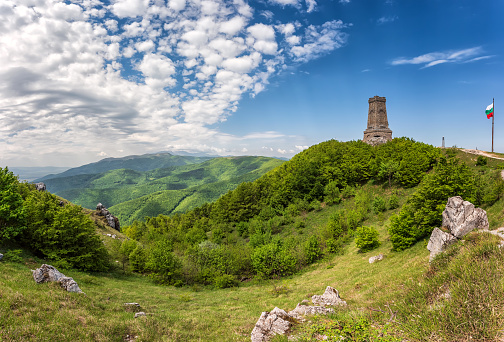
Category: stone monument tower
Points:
column 377, row 131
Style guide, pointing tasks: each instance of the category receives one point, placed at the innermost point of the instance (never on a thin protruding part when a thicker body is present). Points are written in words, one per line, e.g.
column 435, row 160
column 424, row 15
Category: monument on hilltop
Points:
column 378, row 131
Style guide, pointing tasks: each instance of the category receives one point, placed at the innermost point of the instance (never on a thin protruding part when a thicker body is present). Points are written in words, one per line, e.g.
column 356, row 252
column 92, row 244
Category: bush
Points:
column 12, row 212
column 272, row 260
column 164, row 265
column 64, row 235
column 423, row 210
column 312, row 250
column 366, row 238
column 379, row 205
column 393, row 202
column 481, row 161
column 224, row 281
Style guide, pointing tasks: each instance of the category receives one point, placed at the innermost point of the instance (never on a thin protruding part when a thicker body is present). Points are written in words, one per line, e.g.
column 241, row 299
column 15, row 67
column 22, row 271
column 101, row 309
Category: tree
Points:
column 12, row 212
column 387, row 170
column 366, row 238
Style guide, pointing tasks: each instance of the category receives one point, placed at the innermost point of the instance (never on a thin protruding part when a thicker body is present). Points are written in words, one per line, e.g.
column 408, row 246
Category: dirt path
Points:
column 481, row 153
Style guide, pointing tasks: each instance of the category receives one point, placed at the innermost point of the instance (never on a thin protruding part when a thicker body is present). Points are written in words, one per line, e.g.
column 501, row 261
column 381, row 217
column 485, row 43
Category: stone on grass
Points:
column 461, row 217
column 1, row 256
column 276, row 322
column 330, row 297
column 378, row 257
column 139, row 314
column 308, row 310
column 439, row 242
column 132, row 307
column 48, row 273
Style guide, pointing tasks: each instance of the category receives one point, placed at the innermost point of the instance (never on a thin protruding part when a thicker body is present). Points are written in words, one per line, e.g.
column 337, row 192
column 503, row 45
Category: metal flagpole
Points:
column 493, row 116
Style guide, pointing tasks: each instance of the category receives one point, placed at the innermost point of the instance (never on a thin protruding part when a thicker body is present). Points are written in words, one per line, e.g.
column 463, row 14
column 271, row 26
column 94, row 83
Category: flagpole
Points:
column 493, row 116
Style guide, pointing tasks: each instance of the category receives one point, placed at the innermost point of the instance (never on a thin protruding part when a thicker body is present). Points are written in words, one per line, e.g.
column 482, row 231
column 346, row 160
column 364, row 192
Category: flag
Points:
column 489, row 111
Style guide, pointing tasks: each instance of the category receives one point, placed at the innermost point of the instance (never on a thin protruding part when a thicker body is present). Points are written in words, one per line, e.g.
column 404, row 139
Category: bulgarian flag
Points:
column 489, row 111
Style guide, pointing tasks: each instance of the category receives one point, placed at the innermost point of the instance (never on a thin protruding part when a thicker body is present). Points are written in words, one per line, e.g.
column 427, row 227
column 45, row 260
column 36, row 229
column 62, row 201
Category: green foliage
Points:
column 13, row 255
column 224, row 281
column 366, row 238
column 63, row 234
column 138, row 259
column 12, row 213
column 393, row 202
column 332, row 193
column 272, row 260
column 312, row 249
column 481, row 161
column 423, row 210
column 165, row 266
column 379, row 205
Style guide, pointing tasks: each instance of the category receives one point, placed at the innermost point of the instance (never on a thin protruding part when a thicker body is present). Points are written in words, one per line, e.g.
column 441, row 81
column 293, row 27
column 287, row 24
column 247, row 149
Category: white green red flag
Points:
column 489, row 111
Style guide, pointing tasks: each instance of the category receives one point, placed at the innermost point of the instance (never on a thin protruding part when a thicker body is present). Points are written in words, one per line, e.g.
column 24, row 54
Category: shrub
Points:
column 481, row 161
column 272, row 260
column 312, row 250
column 164, row 265
column 379, row 205
column 138, row 259
column 224, row 281
column 12, row 212
column 366, row 238
column 393, row 202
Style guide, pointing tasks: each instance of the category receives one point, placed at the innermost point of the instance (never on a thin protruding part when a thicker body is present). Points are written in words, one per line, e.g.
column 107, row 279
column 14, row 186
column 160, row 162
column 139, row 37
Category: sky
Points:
column 84, row 80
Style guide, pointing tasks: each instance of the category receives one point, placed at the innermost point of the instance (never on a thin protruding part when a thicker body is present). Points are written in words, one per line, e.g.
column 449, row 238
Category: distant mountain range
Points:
column 30, row 173
column 148, row 185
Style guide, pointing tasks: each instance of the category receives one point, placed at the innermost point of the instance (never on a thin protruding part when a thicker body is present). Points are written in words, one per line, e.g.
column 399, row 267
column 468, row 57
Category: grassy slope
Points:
column 183, row 314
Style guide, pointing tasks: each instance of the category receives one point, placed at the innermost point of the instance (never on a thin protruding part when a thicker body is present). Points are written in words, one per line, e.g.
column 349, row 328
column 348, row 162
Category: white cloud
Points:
column 435, row 58
column 137, row 75
column 385, row 20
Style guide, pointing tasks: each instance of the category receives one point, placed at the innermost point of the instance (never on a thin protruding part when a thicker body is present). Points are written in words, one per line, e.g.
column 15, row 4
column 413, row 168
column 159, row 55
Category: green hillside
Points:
column 160, row 189
column 143, row 162
column 313, row 221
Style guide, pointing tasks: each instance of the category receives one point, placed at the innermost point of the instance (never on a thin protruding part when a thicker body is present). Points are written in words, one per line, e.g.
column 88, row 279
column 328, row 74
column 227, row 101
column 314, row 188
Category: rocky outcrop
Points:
column 459, row 218
column 439, row 242
column 376, row 258
column 271, row 324
column 330, row 297
column 279, row 322
column 40, row 186
column 48, row 273
column 112, row 221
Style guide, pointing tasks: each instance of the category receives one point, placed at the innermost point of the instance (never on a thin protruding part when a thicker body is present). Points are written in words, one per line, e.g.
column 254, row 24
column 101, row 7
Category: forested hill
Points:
column 143, row 162
column 131, row 194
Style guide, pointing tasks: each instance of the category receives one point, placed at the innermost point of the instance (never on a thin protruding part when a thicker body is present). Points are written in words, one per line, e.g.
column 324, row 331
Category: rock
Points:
column 139, row 314
column 378, row 257
column 40, row 186
column 460, row 217
column 1, row 256
column 61, row 203
column 271, row 324
column 48, row 273
column 306, row 310
column 330, row 297
column 100, row 206
column 112, row 221
column 438, row 242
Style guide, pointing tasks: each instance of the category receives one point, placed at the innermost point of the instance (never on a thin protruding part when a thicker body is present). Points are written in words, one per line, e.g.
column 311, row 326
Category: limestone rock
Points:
column 40, row 186
column 1, row 256
column 112, row 221
column 378, row 257
column 460, row 217
column 438, row 242
column 330, row 297
column 307, row 310
column 271, row 324
column 48, row 273
column 139, row 314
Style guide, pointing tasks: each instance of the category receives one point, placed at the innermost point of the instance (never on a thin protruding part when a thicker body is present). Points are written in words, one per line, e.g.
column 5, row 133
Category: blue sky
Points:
column 87, row 79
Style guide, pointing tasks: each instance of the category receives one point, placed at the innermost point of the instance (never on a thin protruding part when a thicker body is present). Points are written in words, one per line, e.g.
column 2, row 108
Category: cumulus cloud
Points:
column 140, row 76
column 452, row 56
